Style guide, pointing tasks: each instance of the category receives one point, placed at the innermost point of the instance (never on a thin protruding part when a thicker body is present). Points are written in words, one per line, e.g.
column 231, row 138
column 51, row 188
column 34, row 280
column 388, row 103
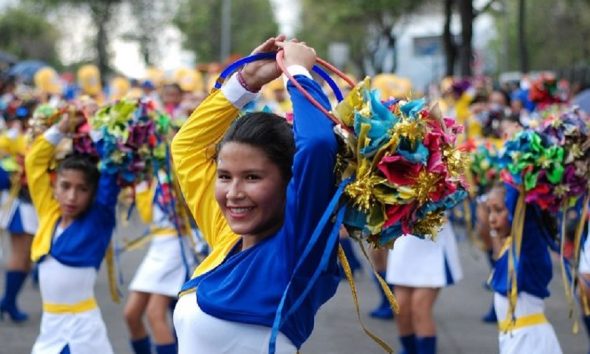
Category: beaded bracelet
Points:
column 244, row 84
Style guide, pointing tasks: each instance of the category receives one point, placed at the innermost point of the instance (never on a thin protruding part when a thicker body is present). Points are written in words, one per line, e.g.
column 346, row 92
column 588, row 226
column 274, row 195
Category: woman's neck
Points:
column 65, row 222
column 250, row 241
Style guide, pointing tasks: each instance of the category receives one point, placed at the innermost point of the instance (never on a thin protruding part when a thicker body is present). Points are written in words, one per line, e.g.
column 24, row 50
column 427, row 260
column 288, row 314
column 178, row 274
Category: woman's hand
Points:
column 298, row 53
column 261, row 72
column 70, row 121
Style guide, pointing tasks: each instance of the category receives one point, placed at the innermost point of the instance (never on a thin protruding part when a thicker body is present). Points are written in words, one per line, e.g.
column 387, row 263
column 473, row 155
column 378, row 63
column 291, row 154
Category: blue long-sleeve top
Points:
column 247, row 286
column 4, row 179
column 84, row 242
column 534, row 271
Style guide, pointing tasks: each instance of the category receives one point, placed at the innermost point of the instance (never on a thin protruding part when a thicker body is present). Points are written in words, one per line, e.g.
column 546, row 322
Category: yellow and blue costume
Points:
column 69, row 257
column 531, row 331
column 242, row 290
column 17, row 214
column 169, row 260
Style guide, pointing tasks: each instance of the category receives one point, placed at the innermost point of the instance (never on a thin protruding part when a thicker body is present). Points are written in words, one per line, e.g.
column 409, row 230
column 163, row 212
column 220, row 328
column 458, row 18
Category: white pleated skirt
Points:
column 419, row 263
column 83, row 333
column 162, row 270
column 538, row 339
column 17, row 216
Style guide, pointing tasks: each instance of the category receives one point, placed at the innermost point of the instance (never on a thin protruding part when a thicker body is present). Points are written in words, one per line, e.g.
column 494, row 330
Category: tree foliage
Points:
column 200, row 21
column 28, row 36
column 556, row 34
column 101, row 13
column 366, row 26
column 151, row 16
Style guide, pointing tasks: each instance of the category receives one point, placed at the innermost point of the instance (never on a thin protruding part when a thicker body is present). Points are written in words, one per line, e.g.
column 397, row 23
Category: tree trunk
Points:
column 448, row 40
column 385, row 47
column 393, row 45
column 144, row 46
column 522, row 48
column 101, row 15
column 466, row 49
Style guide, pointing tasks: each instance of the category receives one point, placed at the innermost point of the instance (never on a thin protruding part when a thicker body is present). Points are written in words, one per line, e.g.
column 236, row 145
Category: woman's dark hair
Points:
column 505, row 94
column 83, row 163
column 268, row 132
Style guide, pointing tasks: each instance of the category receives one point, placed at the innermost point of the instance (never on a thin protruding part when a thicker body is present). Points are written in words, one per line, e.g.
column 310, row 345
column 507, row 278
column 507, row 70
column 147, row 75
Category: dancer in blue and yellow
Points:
column 530, row 332
column 164, row 269
column 257, row 204
column 77, row 218
column 17, row 214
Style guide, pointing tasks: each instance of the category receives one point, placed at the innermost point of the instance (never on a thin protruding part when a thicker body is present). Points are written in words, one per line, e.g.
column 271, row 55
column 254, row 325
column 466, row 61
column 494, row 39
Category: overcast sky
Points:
column 287, row 14
column 126, row 58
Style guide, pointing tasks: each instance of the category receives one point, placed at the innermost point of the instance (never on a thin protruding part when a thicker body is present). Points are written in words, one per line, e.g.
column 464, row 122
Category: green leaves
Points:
column 200, row 22
column 27, row 35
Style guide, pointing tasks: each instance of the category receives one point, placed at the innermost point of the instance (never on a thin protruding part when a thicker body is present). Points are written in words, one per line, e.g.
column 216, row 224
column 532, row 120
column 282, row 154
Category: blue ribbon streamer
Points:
column 170, row 209
column 332, row 237
column 230, row 69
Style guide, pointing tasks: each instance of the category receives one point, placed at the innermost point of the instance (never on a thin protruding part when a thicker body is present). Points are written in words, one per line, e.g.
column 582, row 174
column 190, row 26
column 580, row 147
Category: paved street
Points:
column 458, row 313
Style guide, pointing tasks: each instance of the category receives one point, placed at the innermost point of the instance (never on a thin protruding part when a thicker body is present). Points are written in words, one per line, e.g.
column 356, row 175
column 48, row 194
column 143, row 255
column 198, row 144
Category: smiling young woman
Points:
column 257, row 204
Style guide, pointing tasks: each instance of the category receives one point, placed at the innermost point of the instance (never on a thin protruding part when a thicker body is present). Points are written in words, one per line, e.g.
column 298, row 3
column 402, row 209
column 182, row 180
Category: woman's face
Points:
column 250, row 190
column 482, row 215
column 497, row 99
column 73, row 193
column 498, row 213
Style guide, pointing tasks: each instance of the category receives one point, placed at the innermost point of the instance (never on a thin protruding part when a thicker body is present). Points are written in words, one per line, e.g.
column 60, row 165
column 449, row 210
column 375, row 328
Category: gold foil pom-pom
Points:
column 430, row 224
column 361, row 191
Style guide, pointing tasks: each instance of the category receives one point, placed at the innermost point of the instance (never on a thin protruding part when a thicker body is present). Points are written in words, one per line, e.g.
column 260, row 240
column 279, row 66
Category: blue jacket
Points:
column 534, row 270
column 247, row 286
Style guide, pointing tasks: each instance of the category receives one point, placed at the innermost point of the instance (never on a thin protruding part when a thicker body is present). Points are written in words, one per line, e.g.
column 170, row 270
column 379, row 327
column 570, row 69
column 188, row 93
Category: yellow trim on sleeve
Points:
column 186, row 292
column 193, row 150
column 37, row 162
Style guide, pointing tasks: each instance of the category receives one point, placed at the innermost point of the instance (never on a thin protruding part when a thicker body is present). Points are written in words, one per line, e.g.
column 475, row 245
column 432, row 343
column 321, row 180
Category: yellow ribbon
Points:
column 472, row 186
column 515, row 248
column 112, row 273
column 348, row 273
column 585, row 305
column 568, row 294
column 576, row 261
column 569, row 288
column 521, row 322
column 82, row 306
